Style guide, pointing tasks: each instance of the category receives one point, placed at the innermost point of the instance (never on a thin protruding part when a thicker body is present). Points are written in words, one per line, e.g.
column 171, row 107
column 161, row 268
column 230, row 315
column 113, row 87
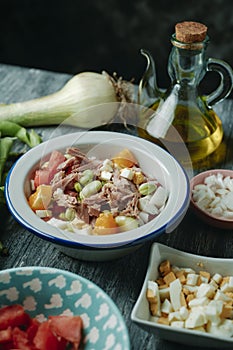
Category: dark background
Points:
column 72, row 36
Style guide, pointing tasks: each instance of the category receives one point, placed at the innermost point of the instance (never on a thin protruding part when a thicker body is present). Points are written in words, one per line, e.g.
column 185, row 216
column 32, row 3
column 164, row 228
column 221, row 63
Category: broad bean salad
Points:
column 93, row 196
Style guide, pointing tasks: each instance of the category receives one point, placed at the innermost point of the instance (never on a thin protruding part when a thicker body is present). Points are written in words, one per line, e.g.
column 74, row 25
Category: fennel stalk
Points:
column 87, row 100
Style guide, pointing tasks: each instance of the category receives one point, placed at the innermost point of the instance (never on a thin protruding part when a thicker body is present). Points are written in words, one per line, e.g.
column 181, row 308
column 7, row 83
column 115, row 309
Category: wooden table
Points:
column 122, row 279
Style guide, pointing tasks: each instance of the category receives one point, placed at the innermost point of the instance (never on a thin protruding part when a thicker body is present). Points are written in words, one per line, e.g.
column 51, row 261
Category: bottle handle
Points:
column 226, row 82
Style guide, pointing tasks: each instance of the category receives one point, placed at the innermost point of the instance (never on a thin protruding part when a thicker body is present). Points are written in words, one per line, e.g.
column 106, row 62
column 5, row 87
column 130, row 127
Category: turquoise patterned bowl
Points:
column 44, row 291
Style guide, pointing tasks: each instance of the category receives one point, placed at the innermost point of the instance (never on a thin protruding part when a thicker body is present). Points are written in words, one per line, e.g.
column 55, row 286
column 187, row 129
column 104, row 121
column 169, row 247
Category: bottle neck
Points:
column 187, row 62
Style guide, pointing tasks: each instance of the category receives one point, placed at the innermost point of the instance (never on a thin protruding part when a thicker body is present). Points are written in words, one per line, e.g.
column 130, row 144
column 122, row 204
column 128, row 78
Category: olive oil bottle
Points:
column 180, row 119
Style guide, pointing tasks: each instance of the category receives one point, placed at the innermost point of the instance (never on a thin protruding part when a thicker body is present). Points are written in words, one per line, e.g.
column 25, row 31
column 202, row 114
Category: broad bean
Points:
column 77, row 187
column 90, row 189
column 126, row 223
column 147, row 188
column 87, row 177
column 70, row 214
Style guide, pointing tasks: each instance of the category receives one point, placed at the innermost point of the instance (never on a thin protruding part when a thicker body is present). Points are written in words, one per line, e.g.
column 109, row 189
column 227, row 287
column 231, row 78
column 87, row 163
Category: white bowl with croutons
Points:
column 212, row 197
column 187, row 298
column 80, row 193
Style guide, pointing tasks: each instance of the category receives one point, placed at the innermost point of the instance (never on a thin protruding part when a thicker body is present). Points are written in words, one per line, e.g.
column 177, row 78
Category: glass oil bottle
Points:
column 180, row 118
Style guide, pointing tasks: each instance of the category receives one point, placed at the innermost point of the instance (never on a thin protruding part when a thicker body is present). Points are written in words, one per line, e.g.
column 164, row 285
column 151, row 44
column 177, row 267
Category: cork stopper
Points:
column 190, row 32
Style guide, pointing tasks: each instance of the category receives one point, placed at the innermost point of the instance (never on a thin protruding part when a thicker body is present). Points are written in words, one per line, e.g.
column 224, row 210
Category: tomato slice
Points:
column 20, row 332
column 13, row 315
column 46, row 340
column 44, row 176
column 32, row 329
column 20, row 340
column 68, row 327
column 5, row 335
column 55, row 159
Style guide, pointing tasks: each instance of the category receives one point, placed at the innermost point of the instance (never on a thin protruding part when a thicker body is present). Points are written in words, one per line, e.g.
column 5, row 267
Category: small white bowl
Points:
column 153, row 160
column 45, row 291
column 216, row 221
column 141, row 314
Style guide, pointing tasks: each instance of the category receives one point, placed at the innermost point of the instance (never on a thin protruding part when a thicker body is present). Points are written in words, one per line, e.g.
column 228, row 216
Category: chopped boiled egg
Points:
column 106, row 175
column 159, row 197
column 43, row 213
column 215, row 195
column 127, row 173
column 145, row 205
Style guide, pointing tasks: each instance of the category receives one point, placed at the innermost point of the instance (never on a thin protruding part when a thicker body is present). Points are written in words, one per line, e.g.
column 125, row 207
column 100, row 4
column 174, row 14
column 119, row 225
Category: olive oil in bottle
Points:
column 180, row 119
column 200, row 133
